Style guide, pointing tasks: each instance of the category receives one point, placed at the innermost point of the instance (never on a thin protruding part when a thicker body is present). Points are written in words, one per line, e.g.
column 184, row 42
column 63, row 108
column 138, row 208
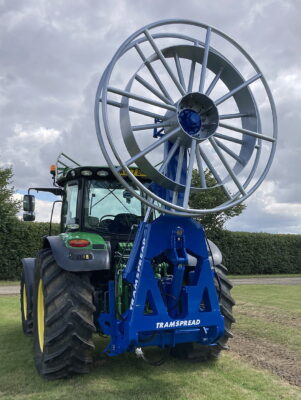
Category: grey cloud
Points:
column 53, row 54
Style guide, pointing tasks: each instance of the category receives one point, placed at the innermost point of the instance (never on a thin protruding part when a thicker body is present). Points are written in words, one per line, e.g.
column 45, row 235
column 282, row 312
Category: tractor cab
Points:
column 96, row 208
column 94, row 201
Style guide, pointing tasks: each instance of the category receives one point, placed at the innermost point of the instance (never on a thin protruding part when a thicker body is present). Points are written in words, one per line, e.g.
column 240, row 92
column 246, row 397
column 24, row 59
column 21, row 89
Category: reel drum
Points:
column 184, row 106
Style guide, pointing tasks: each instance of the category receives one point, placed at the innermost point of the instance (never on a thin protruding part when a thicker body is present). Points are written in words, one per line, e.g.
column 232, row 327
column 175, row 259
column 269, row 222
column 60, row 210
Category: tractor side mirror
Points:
column 29, row 216
column 28, row 203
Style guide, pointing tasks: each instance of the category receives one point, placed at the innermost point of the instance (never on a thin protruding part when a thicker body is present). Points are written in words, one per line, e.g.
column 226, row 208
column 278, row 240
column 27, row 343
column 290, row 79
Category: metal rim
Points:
column 24, row 298
column 40, row 315
column 215, row 140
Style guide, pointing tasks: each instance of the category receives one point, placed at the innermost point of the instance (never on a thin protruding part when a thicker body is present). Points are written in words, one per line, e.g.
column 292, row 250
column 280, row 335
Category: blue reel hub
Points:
column 190, row 121
column 198, row 117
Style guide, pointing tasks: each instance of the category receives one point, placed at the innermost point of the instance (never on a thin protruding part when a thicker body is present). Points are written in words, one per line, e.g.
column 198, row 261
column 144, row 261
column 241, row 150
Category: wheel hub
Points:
column 190, row 121
column 197, row 116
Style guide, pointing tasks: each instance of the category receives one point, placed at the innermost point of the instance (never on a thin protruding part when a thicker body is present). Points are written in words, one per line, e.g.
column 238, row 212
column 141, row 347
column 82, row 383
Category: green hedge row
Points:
column 21, row 239
column 243, row 253
column 260, row 253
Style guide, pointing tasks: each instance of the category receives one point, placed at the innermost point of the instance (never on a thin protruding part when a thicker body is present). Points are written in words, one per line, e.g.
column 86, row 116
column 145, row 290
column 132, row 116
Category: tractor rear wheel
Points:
column 226, row 302
column 62, row 319
column 25, row 314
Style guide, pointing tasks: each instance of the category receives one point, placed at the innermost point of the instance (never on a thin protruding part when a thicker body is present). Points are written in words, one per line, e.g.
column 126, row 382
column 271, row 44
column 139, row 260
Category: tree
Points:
column 213, row 223
column 8, row 205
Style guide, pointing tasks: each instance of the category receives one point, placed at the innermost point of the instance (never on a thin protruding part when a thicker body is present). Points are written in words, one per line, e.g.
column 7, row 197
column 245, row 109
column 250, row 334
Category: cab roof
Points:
column 64, row 175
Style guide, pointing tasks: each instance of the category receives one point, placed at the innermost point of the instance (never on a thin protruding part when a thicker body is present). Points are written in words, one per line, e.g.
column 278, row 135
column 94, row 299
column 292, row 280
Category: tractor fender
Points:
column 77, row 259
column 28, row 273
column 215, row 255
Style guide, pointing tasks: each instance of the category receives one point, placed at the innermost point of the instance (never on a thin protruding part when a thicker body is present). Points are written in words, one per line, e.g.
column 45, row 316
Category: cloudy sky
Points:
column 54, row 52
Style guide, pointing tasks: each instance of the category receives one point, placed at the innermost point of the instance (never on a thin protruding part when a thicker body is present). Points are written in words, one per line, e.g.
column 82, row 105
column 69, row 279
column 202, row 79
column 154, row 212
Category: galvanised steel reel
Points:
column 186, row 96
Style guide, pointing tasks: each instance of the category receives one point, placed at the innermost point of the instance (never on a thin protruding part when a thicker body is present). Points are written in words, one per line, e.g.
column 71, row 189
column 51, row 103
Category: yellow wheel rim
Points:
column 40, row 314
column 24, row 302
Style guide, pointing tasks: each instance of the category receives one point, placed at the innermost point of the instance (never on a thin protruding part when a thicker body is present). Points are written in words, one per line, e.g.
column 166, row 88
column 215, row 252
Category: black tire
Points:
column 26, row 314
column 66, row 330
column 226, row 301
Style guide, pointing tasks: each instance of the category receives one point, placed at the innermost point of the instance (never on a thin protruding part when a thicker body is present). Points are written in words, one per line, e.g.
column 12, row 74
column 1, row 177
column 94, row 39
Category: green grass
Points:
column 265, row 276
column 286, row 298
column 125, row 377
column 274, row 332
column 9, row 283
column 270, row 312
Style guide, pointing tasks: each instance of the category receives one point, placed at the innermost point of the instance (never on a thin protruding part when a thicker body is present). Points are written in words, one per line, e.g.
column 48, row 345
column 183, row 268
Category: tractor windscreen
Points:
column 109, row 208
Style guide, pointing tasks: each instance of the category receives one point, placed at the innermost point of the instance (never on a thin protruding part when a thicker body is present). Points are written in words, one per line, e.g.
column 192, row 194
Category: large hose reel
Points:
column 179, row 96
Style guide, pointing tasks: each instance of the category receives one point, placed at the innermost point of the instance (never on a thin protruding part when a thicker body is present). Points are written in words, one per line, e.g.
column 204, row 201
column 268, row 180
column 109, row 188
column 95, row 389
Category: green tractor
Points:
column 65, row 286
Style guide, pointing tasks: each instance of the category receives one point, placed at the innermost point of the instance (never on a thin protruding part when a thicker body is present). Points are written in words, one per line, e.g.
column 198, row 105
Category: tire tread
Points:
column 69, row 326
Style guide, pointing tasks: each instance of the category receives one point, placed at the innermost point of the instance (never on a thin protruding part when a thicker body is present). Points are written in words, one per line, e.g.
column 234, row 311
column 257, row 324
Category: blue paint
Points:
column 170, row 172
column 177, row 315
column 190, row 121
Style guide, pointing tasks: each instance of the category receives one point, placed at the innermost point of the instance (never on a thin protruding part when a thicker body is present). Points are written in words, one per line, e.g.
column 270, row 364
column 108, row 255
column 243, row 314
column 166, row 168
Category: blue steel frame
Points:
column 184, row 305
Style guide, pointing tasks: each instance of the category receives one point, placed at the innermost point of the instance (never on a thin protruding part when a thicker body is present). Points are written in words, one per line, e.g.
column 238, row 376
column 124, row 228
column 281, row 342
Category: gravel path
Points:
column 267, row 281
column 11, row 290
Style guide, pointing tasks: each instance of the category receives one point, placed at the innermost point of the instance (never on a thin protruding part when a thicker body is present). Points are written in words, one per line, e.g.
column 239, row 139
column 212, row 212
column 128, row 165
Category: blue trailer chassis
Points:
column 182, row 307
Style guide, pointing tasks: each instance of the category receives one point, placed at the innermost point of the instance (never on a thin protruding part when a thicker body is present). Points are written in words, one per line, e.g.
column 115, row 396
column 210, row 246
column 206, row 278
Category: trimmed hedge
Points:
column 260, row 253
column 22, row 239
column 243, row 252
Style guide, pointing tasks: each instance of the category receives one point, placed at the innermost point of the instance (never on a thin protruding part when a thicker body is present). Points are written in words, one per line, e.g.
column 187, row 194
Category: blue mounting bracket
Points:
column 181, row 306
column 158, row 132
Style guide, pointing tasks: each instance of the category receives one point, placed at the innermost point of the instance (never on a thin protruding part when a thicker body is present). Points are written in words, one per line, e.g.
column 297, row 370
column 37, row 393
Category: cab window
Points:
column 69, row 211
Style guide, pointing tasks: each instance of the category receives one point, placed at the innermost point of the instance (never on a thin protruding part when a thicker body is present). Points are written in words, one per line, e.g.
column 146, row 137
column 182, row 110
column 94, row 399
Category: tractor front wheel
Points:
column 62, row 319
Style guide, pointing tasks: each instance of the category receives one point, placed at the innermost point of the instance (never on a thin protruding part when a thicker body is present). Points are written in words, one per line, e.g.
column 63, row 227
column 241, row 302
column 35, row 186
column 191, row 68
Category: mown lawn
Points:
column 272, row 312
column 9, row 283
column 286, row 298
column 125, row 377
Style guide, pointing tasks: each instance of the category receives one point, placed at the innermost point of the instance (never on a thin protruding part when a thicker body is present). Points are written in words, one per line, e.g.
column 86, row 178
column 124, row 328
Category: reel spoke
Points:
column 227, row 166
column 180, row 71
column 163, row 60
column 228, row 138
column 214, row 82
column 151, row 126
column 141, row 98
column 229, row 151
column 137, row 110
column 201, row 169
column 191, row 75
column 232, row 116
column 153, row 73
column 178, row 173
column 152, row 89
column 247, row 132
column 170, row 155
column 189, row 174
column 152, row 147
column 205, row 60
column 237, row 89
column 214, row 173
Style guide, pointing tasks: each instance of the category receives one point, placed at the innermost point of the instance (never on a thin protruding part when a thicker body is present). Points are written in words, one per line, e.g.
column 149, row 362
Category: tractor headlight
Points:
column 86, row 172
column 102, row 173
